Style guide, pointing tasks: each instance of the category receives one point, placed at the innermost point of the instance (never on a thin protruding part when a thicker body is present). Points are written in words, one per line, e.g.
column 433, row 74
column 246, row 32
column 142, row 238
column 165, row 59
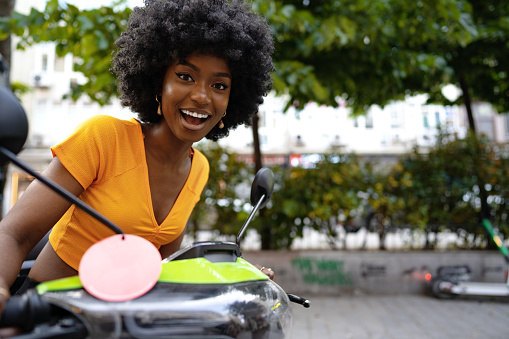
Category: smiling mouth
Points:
column 194, row 118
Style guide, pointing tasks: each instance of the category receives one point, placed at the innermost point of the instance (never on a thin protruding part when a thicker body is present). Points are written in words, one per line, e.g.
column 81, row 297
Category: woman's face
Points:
column 195, row 95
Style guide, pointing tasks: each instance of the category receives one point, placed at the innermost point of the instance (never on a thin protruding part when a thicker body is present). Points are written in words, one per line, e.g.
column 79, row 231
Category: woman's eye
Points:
column 184, row 76
column 220, row 86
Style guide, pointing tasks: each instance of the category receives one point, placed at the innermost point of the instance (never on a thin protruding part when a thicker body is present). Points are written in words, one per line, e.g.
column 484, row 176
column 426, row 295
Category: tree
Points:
column 221, row 206
column 365, row 51
column 479, row 65
column 368, row 51
column 89, row 35
column 316, row 197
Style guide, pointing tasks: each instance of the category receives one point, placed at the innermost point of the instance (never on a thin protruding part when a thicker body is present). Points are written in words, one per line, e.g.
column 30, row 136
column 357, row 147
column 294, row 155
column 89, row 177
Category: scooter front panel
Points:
column 255, row 309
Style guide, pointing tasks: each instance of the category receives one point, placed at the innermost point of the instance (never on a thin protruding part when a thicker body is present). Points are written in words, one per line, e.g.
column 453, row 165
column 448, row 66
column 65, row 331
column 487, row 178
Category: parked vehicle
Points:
column 455, row 281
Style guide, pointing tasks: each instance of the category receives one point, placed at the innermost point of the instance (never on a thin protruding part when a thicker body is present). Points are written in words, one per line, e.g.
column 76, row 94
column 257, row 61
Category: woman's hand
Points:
column 267, row 270
column 4, row 295
column 10, row 331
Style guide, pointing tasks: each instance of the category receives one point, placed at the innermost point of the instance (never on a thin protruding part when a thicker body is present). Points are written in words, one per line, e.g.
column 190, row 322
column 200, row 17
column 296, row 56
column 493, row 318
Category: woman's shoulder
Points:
column 107, row 125
column 108, row 121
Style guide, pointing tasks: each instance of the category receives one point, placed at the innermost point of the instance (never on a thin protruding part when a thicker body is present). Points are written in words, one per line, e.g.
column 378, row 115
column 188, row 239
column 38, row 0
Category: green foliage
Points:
column 429, row 190
column 438, row 189
column 368, row 51
column 496, row 165
column 316, row 197
column 223, row 200
column 442, row 181
column 88, row 34
column 20, row 89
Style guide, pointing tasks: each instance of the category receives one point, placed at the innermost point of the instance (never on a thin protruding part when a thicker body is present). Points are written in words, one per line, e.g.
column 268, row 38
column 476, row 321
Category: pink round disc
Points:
column 116, row 269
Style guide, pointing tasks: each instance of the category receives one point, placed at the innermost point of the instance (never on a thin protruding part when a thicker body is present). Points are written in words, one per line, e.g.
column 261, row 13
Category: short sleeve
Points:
column 85, row 152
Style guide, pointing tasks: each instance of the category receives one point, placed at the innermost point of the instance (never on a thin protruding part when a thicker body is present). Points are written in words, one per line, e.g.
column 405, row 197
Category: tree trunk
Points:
column 265, row 229
column 381, row 217
column 6, row 9
column 256, row 144
column 478, row 164
column 467, row 102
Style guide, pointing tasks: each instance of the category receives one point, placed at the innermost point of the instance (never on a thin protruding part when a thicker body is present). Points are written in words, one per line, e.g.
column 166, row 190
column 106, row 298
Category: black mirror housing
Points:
column 263, row 184
column 13, row 123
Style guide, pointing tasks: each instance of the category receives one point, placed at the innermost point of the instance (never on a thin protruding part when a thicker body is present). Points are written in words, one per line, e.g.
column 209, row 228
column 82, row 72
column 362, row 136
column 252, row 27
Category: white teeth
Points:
column 194, row 114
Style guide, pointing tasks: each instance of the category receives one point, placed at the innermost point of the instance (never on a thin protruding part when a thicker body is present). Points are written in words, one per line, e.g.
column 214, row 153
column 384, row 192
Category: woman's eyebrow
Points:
column 224, row 75
column 188, row 64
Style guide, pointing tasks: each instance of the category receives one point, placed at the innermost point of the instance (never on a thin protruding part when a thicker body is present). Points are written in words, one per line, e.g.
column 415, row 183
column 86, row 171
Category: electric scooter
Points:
column 124, row 290
column 452, row 284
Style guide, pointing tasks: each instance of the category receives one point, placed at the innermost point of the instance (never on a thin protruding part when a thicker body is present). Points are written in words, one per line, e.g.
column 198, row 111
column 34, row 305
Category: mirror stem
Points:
column 256, row 208
column 61, row 191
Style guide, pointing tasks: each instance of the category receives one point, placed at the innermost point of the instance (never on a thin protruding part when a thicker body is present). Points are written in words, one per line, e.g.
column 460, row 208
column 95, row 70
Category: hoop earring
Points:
column 221, row 123
column 159, row 110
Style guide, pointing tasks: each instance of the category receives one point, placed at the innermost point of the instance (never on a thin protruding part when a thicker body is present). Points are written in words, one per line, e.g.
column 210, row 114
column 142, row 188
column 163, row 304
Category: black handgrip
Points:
column 299, row 300
column 25, row 311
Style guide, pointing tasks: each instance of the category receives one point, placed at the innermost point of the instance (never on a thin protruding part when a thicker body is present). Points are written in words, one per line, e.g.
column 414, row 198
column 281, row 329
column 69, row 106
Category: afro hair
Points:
column 167, row 30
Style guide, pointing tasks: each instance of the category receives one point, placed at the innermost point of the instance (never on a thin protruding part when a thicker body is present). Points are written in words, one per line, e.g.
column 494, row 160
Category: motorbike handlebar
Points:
column 299, row 300
column 25, row 311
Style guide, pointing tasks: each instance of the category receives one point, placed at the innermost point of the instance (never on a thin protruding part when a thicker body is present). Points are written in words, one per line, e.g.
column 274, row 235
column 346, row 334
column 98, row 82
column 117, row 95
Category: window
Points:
column 486, row 127
column 506, row 118
column 448, row 114
column 262, row 117
column 369, row 120
column 44, row 66
column 73, row 83
column 425, row 118
column 395, row 123
column 59, row 64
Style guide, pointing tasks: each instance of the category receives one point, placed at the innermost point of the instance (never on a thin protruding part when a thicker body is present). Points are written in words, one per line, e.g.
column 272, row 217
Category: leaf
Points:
column 85, row 23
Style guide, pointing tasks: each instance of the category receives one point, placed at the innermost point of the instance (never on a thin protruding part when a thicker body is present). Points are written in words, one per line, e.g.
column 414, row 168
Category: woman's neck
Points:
column 162, row 146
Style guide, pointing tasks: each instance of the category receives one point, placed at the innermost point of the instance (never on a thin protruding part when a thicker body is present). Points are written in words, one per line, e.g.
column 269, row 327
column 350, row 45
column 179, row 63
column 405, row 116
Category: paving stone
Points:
column 400, row 316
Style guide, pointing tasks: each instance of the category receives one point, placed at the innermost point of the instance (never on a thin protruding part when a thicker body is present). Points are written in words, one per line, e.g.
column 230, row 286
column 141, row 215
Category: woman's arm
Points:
column 33, row 215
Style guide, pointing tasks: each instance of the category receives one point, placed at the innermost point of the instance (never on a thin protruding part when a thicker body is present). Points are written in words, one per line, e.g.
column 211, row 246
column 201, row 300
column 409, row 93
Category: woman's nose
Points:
column 200, row 94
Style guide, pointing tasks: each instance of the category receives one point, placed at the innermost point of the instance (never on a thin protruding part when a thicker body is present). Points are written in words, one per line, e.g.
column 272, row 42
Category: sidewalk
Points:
column 400, row 316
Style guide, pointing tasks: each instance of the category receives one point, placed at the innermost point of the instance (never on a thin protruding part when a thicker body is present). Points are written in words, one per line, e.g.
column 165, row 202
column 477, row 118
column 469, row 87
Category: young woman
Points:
column 190, row 69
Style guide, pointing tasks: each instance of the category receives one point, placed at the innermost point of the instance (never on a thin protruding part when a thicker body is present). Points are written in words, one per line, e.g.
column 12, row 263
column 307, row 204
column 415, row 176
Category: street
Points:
column 400, row 316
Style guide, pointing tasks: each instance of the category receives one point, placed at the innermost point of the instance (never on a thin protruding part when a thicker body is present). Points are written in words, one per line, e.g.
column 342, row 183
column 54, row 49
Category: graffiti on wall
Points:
column 321, row 271
column 372, row 270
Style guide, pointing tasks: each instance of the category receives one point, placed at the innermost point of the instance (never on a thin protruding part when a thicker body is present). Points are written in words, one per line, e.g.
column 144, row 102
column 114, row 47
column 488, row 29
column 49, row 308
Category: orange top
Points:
column 107, row 157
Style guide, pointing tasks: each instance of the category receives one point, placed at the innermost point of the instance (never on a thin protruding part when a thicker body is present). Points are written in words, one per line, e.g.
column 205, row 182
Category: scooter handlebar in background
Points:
column 299, row 300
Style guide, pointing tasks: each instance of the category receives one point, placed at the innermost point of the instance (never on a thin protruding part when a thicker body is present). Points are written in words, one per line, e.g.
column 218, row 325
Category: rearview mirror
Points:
column 263, row 186
column 13, row 123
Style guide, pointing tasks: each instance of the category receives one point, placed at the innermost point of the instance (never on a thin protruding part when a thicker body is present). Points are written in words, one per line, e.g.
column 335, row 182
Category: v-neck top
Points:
column 106, row 156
